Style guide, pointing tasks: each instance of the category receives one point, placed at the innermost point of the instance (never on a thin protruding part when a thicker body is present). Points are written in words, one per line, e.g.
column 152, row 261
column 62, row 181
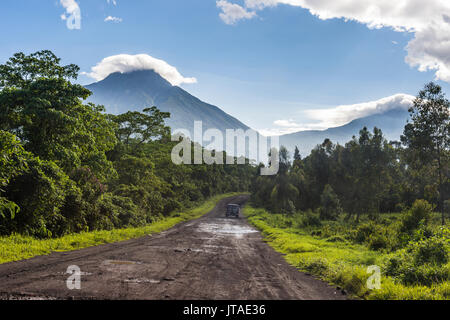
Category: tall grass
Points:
column 335, row 259
column 17, row 247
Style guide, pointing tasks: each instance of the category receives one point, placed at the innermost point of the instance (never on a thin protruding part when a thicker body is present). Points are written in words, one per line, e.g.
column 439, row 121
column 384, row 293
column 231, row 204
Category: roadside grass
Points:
column 18, row 247
column 336, row 260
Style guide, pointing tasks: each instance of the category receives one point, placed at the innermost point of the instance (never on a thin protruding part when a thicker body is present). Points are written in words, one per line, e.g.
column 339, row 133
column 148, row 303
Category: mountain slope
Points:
column 134, row 91
column 391, row 123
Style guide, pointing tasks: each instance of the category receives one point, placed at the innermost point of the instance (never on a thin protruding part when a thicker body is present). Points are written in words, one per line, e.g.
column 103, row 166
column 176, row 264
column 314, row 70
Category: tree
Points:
column 428, row 135
column 317, row 170
column 330, row 204
column 40, row 105
column 284, row 192
column 21, row 70
column 136, row 128
column 297, row 156
column 13, row 161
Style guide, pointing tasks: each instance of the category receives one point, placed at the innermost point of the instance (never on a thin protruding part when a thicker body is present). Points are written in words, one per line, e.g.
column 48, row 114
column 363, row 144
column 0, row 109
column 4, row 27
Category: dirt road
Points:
column 209, row 258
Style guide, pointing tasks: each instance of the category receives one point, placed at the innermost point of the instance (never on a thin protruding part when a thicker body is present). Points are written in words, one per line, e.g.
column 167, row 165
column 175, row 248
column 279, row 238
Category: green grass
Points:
column 336, row 260
column 17, row 247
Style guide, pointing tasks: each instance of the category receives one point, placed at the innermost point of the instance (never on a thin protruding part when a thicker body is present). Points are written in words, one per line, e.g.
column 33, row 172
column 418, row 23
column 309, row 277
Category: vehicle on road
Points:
column 233, row 210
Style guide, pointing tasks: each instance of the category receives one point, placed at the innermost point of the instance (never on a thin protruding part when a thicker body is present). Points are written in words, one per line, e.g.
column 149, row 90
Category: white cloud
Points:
column 321, row 119
column 72, row 16
column 285, row 127
column 113, row 19
column 286, row 123
column 127, row 63
column 341, row 115
column 112, row 1
column 231, row 12
column 429, row 21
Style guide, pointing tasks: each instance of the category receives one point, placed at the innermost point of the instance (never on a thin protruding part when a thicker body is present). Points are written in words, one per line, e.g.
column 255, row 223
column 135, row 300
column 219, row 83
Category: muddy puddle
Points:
column 225, row 229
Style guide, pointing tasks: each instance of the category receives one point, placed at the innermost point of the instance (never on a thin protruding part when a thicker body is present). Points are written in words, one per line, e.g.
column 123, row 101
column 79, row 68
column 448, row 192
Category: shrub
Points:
column 311, row 219
column 13, row 161
column 419, row 214
column 422, row 262
column 364, row 231
column 116, row 211
column 379, row 241
column 40, row 192
column 336, row 239
column 315, row 266
column 316, row 233
column 433, row 250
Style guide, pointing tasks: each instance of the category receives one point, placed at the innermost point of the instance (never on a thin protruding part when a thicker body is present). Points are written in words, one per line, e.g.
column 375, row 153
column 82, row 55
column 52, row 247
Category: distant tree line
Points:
column 368, row 175
column 66, row 166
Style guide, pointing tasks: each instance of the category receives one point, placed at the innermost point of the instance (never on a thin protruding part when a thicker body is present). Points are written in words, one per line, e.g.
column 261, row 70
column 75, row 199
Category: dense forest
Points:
column 369, row 175
column 66, row 166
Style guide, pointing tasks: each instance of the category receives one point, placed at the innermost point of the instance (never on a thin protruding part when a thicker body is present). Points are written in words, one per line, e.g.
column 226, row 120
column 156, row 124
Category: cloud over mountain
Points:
column 320, row 119
column 341, row 115
column 124, row 63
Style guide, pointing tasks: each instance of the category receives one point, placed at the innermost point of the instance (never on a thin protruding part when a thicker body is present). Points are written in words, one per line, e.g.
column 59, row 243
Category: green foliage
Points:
column 330, row 204
column 365, row 231
column 423, row 262
column 40, row 193
column 428, row 135
column 359, row 178
column 419, row 215
column 44, row 110
column 311, row 219
column 13, row 161
column 419, row 271
column 136, row 128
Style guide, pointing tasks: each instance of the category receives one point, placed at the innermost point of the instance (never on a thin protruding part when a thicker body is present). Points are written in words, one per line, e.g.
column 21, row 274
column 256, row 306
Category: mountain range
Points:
column 134, row 91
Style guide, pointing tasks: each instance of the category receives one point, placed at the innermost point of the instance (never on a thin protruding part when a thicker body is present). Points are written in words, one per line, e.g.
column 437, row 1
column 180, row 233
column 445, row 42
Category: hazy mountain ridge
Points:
column 391, row 123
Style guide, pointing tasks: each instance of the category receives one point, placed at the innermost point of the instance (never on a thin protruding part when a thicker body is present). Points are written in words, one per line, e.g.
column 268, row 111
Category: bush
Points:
column 311, row 219
column 336, row 239
column 420, row 214
column 379, row 241
column 116, row 212
column 433, row 250
column 13, row 161
column 40, row 193
column 364, row 232
column 422, row 262
column 315, row 266
column 426, row 275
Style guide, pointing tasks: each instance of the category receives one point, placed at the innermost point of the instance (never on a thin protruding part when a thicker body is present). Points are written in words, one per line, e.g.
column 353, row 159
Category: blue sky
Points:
column 270, row 65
